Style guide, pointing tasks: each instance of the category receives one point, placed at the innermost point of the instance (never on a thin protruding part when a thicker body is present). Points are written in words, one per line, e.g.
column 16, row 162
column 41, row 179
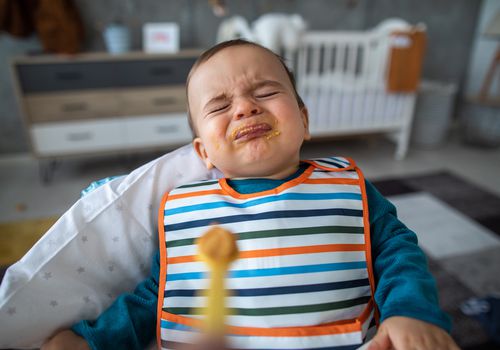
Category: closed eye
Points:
column 267, row 94
column 219, row 109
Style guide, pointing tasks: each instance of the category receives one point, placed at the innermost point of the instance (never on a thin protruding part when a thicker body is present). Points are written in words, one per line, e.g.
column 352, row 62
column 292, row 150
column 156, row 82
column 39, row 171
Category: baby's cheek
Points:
column 217, row 142
column 216, row 146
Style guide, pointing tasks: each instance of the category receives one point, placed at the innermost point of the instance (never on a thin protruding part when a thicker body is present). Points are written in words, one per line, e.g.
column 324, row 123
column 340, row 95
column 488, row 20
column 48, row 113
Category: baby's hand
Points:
column 401, row 333
column 66, row 340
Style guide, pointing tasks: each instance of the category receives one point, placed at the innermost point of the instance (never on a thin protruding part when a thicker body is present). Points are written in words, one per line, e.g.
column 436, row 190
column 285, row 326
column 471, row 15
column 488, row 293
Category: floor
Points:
column 24, row 196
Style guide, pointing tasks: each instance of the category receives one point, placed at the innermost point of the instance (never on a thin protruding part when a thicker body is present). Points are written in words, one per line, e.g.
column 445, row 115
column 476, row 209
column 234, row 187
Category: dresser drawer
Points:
column 52, row 139
column 71, row 106
column 153, row 72
column 157, row 130
column 150, row 101
column 88, row 74
column 46, row 77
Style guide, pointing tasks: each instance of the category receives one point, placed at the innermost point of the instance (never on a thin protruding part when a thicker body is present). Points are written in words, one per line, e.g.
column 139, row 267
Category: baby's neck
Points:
column 284, row 176
column 280, row 175
column 254, row 185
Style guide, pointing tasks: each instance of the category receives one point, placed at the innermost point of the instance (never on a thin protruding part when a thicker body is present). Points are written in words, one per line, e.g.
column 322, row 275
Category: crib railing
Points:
column 342, row 78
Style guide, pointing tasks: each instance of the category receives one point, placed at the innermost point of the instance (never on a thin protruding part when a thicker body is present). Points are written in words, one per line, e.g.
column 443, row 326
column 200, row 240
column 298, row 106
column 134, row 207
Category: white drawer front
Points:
column 78, row 137
column 157, row 130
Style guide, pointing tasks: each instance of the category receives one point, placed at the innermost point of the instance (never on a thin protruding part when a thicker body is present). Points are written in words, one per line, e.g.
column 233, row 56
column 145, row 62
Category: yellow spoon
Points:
column 217, row 247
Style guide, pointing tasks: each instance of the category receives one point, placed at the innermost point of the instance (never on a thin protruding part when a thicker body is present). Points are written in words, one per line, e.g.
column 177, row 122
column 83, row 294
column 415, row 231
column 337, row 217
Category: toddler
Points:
column 323, row 256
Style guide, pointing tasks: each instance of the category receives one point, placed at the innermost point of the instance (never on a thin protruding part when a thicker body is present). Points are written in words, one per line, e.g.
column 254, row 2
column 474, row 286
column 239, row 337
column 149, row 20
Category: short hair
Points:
column 206, row 55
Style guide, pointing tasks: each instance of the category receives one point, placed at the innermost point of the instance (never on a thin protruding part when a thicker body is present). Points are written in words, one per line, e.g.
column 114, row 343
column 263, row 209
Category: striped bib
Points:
column 304, row 277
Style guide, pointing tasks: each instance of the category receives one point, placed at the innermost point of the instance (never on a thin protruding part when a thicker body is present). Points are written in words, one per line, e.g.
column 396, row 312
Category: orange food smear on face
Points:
column 273, row 134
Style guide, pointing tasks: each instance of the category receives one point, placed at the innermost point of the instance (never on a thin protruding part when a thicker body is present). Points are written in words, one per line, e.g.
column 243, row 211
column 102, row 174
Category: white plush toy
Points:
column 274, row 30
column 234, row 28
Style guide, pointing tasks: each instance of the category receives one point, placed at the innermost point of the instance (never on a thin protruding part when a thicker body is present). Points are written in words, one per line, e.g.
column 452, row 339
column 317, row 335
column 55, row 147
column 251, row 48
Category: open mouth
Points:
column 249, row 132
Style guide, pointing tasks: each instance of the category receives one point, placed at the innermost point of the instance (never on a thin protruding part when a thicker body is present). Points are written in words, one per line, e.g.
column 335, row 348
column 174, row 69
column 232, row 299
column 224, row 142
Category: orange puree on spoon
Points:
column 218, row 249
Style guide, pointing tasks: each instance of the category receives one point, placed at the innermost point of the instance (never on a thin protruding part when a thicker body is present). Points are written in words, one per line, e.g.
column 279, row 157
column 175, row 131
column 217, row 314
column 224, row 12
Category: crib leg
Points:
column 403, row 140
column 403, row 136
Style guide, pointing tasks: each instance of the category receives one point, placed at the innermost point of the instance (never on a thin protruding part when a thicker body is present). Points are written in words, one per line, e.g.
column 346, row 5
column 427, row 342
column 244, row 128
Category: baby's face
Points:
column 245, row 112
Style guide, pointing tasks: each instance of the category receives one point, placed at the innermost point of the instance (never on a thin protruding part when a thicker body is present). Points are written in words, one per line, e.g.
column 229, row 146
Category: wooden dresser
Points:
column 95, row 103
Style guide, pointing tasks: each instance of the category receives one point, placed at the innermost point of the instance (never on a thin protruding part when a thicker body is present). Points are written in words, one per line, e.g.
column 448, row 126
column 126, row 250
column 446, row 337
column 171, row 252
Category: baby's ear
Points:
column 305, row 119
column 200, row 149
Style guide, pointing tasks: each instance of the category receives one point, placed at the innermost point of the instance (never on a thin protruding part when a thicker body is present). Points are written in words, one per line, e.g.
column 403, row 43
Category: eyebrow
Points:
column 267, row 83
column 215, row 99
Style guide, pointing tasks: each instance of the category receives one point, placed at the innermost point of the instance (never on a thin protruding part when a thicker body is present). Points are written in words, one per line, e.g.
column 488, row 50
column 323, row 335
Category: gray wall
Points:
column 197, row 23
column 12, row 138
column 483, row 51
column 450, row 23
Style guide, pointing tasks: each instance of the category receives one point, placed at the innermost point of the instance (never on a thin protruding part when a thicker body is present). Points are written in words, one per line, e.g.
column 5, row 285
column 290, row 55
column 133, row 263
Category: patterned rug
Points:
column 458, row 225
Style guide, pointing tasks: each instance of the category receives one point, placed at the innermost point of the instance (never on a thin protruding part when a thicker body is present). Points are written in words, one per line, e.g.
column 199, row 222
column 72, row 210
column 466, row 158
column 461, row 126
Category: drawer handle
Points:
column 79, row 136
column 160, row 71
column 167, row 129
column 163, row 101
column 74, row 107
column 69, row 76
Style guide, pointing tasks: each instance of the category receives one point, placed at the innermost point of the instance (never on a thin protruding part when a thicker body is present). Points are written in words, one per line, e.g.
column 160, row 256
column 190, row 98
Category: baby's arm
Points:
column 128, row 323
column 406, row 293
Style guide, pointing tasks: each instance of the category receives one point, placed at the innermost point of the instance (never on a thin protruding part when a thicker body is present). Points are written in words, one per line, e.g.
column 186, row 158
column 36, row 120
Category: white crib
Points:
column 342, row 78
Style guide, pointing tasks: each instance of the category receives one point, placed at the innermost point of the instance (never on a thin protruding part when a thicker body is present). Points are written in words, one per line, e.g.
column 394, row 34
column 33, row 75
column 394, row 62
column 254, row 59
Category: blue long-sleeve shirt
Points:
column 404, row 285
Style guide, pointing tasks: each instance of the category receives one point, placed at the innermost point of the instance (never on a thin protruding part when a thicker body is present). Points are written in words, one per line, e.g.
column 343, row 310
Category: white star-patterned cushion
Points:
column 102, row 246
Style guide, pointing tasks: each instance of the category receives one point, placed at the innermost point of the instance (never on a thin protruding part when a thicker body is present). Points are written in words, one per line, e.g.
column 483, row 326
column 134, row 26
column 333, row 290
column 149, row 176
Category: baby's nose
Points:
column 246, row 108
